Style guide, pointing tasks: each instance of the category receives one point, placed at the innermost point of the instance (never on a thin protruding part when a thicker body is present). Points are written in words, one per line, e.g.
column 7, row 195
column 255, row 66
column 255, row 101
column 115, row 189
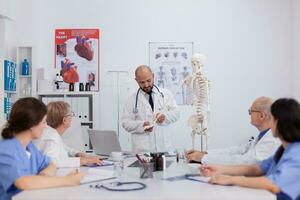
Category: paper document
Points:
column 148, row 127
column 105, row 163
column 94, row 175
column 198, row 178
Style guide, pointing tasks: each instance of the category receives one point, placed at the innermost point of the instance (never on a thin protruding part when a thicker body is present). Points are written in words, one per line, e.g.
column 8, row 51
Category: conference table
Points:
column 156, row 188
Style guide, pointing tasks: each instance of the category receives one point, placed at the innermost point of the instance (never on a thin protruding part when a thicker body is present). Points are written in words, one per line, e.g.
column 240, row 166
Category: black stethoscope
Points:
column 135, row 109
column 117, row 186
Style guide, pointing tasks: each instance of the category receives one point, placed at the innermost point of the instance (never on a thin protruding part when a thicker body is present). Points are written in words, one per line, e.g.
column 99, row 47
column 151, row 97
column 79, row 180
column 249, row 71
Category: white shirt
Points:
column 51, row 144
column 159, row 139
column 252, row 153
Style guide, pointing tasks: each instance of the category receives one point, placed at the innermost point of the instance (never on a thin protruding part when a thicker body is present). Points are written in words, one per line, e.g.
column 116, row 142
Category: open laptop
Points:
column 104, row 141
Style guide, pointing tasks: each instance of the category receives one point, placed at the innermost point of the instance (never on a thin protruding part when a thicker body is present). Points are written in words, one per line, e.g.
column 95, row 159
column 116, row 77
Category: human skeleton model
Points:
column 200, row 92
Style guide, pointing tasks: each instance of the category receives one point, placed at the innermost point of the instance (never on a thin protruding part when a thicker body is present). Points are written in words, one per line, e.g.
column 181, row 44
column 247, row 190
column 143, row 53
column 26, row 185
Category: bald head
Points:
column 145, row 78
column 263, row 104
column 142, row 69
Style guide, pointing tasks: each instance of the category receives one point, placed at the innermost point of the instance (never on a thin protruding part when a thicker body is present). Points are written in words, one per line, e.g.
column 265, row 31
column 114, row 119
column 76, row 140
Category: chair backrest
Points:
column 73, row 136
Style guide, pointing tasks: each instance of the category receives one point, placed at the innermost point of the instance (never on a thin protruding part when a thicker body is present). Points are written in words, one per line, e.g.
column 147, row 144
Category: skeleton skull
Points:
column 198, row 61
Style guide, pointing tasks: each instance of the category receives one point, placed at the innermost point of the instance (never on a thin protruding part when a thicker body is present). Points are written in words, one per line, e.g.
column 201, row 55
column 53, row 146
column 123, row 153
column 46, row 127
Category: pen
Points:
column 139, row 158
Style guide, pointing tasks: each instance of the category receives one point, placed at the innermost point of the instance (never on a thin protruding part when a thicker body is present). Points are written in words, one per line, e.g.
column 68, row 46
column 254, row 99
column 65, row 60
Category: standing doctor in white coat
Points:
column 147, row 112
column 258, row 149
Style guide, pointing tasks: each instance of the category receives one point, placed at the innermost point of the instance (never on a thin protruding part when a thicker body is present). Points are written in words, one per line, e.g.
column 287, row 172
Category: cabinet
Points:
column 24, row 79
column 81, row 104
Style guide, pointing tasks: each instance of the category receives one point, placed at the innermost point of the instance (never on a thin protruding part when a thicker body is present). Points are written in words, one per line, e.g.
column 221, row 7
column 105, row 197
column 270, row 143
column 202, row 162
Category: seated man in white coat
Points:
column 59, row 118
column 258, row 149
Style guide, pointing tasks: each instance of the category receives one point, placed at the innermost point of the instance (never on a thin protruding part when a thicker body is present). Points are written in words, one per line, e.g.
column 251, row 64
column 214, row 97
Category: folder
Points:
column 95, row 175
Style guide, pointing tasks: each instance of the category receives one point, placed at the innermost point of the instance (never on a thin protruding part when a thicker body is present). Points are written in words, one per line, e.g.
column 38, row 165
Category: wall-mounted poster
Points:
column 171, row 64
column 77, row 56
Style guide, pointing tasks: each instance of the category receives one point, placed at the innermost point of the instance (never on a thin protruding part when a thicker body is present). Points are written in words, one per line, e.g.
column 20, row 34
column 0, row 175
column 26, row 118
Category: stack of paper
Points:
column 105, row 163
column 199, row 178
column 95, row 175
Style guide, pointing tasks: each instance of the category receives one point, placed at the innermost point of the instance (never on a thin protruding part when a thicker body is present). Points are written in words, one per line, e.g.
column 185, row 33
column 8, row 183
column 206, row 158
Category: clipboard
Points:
column 201, row 179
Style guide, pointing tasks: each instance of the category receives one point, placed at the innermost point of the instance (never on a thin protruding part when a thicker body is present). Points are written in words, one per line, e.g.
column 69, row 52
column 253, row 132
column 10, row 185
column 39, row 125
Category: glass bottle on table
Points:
column 118, row 160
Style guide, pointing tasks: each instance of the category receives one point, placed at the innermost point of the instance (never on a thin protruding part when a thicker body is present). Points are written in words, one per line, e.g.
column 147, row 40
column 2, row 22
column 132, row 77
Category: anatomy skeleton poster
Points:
column 77, row 56
column 171, row 64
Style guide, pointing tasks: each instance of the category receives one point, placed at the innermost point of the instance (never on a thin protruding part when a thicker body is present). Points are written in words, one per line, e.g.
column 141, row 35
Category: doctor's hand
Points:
column 159, row 118
column 80, row 154
column 90, row 160
column 147, row 126
column 210, row 170
column 73, row 178
column 194, row 155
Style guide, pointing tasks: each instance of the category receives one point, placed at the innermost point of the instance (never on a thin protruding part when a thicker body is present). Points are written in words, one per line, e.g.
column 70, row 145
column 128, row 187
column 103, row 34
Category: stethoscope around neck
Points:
column 135, row 109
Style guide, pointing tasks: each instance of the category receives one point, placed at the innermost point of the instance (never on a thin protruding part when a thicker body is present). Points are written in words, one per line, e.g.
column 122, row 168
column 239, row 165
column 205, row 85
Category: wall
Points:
column 1, row 70
column 26, row 20
column 1, row 37
column 296, row 48
column 8, row 28
column 8, row 9
column 248, row 45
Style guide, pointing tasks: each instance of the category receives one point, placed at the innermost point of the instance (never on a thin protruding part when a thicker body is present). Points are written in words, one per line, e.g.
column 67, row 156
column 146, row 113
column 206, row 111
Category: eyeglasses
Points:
column 70, row 114
column 250, row 111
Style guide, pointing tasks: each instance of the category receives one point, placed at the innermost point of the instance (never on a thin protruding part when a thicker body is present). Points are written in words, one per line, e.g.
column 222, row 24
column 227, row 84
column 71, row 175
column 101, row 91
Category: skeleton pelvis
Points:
column 194, row 121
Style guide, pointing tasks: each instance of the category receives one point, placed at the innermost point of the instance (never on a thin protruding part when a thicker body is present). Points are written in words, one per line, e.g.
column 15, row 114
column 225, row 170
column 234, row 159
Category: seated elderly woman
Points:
column 22, row 166
column 59, row 118
column 280, row 173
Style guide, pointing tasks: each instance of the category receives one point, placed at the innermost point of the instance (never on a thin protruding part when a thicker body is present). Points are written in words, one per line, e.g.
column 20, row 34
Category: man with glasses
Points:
column 258, row 149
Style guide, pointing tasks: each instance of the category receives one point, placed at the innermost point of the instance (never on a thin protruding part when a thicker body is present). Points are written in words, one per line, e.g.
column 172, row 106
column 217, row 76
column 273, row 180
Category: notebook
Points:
column 96, row 174
column 105, row 163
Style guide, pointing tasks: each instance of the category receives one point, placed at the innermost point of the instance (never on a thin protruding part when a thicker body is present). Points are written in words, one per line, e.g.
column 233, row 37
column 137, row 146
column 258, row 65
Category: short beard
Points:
column 149, row 91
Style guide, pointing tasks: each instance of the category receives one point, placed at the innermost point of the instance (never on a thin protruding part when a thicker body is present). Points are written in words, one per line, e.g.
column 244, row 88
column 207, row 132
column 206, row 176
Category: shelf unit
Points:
column 24, row 81
column 81, row 105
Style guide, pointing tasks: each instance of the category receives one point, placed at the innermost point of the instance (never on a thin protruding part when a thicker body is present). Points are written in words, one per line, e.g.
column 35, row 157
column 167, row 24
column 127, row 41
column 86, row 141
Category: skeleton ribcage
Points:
column 200, row 96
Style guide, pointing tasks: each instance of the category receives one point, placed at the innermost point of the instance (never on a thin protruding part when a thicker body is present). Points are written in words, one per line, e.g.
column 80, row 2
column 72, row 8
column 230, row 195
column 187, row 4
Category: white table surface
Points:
column 156, row 189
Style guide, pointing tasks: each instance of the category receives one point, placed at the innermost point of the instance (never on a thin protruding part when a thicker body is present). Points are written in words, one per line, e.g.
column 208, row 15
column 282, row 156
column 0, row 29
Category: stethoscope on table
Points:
column 135, row 109
column 117, row 186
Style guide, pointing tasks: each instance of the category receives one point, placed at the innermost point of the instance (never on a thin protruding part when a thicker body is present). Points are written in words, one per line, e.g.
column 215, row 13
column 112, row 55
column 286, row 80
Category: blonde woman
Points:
column 59, row 117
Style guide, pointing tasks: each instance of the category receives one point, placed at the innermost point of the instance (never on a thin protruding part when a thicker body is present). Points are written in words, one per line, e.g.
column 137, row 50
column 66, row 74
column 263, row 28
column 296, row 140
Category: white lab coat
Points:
column 133, row 122
column 251, row 153
column 51, row 144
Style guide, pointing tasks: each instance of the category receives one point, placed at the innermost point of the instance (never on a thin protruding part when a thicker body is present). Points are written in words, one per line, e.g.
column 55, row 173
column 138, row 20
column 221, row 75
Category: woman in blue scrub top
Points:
column 22, row 166
column 280, row 173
